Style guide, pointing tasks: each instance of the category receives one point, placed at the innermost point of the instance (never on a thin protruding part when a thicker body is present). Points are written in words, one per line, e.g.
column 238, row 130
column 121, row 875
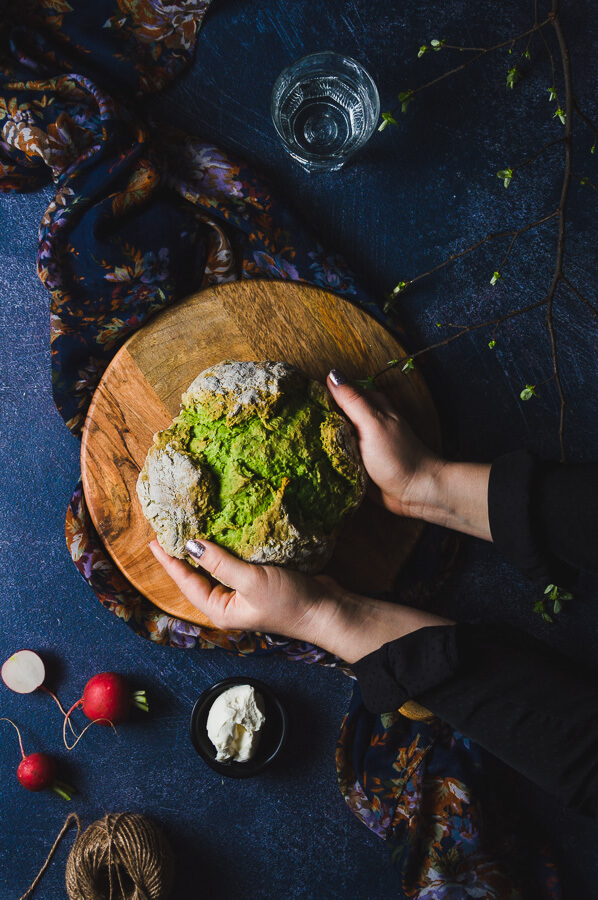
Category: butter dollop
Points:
column 234, row 722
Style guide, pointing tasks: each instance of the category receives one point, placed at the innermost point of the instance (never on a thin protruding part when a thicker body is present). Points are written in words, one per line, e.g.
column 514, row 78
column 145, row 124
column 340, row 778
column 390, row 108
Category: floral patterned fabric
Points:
column 140, row 218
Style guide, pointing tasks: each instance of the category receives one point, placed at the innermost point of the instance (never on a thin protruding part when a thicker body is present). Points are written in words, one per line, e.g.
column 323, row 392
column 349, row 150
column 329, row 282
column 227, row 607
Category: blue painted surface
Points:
column 416, row 194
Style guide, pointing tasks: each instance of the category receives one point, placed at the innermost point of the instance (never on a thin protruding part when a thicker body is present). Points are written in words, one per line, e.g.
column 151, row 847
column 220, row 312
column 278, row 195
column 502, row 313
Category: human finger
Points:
column 192, row 583
column 244, row 577
column 361, row 408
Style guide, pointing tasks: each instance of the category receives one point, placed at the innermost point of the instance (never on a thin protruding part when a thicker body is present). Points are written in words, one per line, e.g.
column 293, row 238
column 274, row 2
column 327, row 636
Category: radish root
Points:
column 95, row 722
column 4, row 719
column 60, row 706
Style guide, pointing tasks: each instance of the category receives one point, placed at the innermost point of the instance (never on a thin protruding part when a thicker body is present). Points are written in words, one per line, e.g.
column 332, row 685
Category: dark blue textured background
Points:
column 416, row 194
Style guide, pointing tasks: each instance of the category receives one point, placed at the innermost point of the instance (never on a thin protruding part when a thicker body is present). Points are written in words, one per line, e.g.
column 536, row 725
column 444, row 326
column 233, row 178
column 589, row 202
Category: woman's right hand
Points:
column 406, row 476
column 403, row 471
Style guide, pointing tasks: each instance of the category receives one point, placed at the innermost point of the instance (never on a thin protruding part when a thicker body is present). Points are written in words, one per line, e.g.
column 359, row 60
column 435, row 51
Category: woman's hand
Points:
column 281, row 601
column 401, row 468
column 406, row 477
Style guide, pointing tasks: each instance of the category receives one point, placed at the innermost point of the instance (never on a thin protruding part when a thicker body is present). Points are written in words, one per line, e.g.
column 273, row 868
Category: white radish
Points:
column 23, row 672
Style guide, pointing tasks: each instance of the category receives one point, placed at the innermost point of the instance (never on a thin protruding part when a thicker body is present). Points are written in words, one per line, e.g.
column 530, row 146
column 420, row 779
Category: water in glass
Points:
column 324, row 107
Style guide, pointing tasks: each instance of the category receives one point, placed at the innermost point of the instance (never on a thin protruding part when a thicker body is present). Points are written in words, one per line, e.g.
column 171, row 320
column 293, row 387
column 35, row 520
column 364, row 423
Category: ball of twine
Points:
column 123, row 856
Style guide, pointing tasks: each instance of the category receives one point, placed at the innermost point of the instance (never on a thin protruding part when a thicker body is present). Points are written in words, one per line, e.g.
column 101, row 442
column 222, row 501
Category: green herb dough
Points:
column 280, row 470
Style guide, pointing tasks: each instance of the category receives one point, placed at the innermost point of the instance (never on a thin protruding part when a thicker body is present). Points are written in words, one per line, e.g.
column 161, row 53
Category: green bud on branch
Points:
column 506, row 175
column 557, row 596
column 368, row 384
column 405, row 98
column 528, row 392
column 541, row 610
column 513, row 76
column 409, row 365
column 552, row 94
column 492, row 344
column 496, row 277
column 561, row 115
column 423, row 49
column 387, row 119
column 399, row 288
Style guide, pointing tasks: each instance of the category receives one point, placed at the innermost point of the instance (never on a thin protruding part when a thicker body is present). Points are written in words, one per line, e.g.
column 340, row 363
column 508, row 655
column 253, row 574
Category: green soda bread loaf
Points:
column 260, row 461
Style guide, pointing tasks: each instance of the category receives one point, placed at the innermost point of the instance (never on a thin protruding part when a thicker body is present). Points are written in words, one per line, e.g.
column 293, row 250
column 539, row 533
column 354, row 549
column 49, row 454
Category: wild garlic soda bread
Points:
column 260, row 461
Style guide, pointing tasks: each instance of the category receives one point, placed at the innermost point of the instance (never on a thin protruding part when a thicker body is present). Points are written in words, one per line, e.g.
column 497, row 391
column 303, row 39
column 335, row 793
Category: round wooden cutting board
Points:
column 141, row 390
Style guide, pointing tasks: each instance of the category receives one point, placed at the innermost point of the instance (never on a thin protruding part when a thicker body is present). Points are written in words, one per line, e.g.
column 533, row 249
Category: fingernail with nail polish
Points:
column 195, row 549
column 337, row 377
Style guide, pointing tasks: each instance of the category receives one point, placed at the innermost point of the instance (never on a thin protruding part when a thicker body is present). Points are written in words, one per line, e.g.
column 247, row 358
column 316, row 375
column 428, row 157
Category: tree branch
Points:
column 567, row 116
column 578, row 294
column 423, row 87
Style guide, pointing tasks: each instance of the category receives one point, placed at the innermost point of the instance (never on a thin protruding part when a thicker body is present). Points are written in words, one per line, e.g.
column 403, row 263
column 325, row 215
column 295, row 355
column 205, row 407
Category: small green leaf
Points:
column 527, row 54
column 513, row 76
column 593, row 148
column 492, row 344
column 405, row 98
column 506, row 175
column 387, row 119
column 399, row 288
column 368, row 384
column 392, row 362
column 551, row 94
column 438, row 324
column 528, row 392
column 557, row 596
column 496, row 277
column 561, row 115
column 409, row 365
column 584, row 180
column 423, row 49
column 438, row 45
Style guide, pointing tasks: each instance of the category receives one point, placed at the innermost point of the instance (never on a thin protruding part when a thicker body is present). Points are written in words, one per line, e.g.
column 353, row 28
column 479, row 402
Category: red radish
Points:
column 38, row 771
column 107, row 700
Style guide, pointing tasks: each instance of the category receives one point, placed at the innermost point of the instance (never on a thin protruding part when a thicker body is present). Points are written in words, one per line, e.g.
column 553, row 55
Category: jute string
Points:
column 123, row 856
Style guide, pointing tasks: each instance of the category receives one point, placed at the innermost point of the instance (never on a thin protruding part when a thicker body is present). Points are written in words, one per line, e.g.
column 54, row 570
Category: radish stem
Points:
column 63, row 789
column 139, row 699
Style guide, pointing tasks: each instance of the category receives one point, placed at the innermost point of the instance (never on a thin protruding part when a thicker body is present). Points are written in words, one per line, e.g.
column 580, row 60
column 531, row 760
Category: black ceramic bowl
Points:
column 273, row 733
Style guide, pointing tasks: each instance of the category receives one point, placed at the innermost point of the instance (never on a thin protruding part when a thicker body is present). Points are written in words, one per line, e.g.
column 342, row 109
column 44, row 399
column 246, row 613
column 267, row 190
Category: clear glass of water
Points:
column 324, row 107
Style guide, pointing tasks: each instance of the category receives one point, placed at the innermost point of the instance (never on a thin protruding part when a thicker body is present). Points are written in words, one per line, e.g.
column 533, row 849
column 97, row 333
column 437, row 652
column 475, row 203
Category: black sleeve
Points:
column 544, row 516
column 523, row 701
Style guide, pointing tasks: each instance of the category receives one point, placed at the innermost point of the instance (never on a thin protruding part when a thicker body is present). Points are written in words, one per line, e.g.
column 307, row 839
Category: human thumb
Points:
column 359, row 408
column 226, row 568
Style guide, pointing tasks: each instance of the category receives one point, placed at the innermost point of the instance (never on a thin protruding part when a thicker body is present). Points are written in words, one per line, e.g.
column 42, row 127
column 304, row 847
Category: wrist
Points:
column 455, row 495
column 352, row 626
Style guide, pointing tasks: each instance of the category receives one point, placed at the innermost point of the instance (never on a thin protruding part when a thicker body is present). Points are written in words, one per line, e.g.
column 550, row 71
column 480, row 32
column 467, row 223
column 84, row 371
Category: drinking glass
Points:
column 324, row 107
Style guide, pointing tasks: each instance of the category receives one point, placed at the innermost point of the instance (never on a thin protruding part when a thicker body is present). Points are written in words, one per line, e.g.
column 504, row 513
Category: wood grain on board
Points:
column 247, row 320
